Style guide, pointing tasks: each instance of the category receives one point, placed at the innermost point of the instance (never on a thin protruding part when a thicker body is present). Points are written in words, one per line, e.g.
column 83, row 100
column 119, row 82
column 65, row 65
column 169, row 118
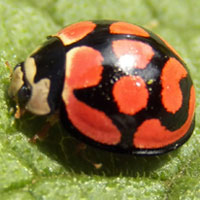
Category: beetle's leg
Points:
column 43, row 133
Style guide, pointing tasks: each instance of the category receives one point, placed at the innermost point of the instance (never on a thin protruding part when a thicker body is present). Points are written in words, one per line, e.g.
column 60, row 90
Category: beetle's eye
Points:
column 24, row 95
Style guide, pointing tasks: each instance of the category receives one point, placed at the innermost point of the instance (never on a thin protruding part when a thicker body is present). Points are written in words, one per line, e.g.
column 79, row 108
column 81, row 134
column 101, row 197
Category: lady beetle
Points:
column 116, row 85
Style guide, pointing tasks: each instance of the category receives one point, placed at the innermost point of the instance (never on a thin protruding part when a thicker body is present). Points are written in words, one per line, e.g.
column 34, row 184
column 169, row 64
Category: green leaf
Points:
column 54, row 169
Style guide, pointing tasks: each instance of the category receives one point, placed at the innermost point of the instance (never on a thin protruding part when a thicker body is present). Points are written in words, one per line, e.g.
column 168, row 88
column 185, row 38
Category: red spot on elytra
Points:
column 84, row 69
column 151, row 134
column 132, row 54
column 92, row 123
column 171, row 75
column 126, row 28
column 131, row 94
column 75, row 32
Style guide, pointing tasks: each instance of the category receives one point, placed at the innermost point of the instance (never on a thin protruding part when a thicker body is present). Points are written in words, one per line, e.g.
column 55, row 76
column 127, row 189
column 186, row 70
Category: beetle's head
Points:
column 19, row 89
column 29, row 96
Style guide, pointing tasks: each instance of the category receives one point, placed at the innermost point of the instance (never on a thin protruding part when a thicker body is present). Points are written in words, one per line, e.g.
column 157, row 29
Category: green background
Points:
column 54, row 168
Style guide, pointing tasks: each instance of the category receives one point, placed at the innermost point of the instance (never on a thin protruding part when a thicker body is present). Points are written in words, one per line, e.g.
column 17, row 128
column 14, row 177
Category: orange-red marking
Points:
column 75, row 32
column 84, row 69
column 171, row 93
column 92, row 123
column 151, row 134
column 126, row 28
column 132, row 54
column 131, row 94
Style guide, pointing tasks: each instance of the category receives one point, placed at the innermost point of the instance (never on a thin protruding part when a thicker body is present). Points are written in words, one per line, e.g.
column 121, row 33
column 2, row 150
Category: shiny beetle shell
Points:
column 117, row 86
